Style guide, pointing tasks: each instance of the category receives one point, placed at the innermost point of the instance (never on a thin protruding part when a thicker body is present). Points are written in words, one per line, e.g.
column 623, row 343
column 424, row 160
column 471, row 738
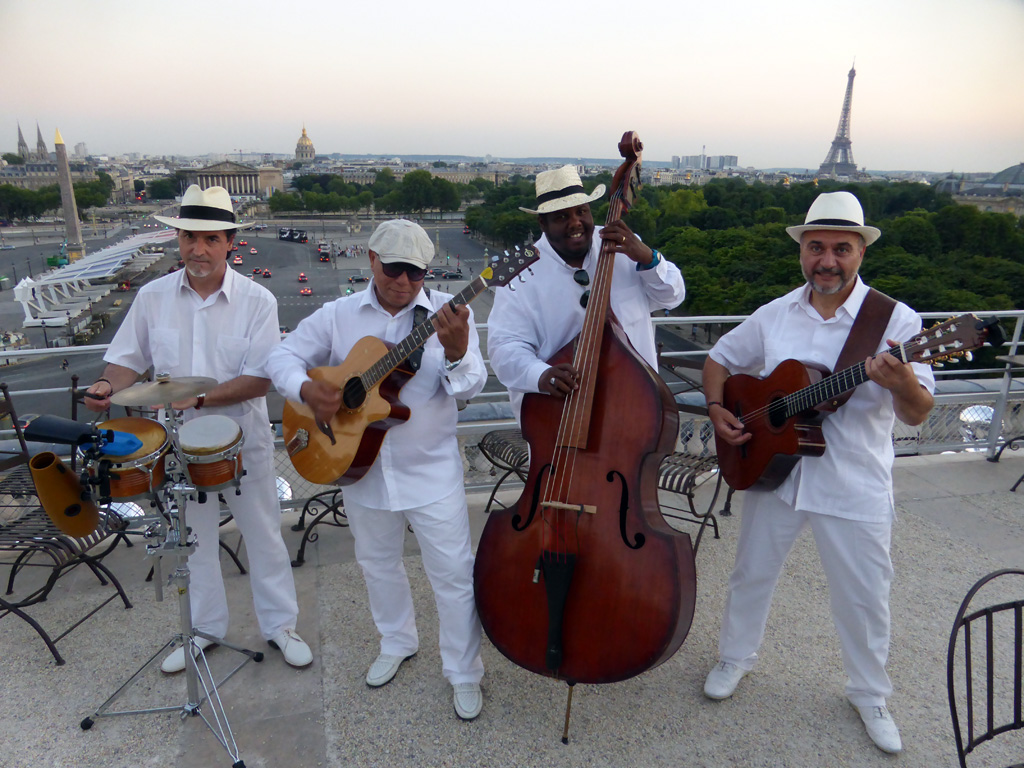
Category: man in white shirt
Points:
column 845, row 495
column 417, row 477
column 206, row 320
column 528, row 325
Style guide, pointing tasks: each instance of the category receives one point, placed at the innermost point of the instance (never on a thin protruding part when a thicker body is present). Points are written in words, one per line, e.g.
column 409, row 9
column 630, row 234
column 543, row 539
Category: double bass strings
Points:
column 558, row 483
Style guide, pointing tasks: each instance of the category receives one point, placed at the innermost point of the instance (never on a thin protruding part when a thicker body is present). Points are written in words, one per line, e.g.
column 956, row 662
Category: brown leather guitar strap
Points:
column 865, row 335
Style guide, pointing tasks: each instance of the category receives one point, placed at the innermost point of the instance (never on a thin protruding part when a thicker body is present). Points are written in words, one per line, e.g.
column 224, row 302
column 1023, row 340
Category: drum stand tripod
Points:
column 174, row 541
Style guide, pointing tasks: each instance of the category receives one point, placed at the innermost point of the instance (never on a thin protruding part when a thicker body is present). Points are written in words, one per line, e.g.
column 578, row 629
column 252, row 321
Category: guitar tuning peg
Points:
column 938, row 364
column 968, row 356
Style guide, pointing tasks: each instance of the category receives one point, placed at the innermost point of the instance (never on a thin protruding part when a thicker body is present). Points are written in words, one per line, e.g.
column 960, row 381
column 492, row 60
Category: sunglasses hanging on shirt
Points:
column 582, row 277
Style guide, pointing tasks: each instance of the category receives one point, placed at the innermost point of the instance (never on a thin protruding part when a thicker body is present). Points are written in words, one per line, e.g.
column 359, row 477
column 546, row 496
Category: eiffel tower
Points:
column 840, row 156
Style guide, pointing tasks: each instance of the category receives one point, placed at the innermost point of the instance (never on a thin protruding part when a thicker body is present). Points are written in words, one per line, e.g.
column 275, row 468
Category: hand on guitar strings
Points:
column 624, row 241
column 322, row 398
column 730, row 428
column 559, row 380
column 452, row 325
column 889, row 372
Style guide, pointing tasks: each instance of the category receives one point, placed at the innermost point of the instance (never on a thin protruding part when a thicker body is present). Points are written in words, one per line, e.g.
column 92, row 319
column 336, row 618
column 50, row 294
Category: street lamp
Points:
column 46, row 341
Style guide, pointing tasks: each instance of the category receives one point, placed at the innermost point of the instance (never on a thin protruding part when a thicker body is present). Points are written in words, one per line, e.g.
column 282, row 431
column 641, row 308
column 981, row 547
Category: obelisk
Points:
column 72, row 227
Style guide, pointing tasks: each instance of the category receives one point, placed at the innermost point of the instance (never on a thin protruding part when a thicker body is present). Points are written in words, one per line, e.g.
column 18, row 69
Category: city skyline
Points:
column 935, row 89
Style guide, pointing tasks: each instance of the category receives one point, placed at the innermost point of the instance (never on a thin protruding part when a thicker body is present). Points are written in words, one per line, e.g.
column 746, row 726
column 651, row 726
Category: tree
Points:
column 13, row 159
column 139, row 185
column 417, row 191
column 162, row 189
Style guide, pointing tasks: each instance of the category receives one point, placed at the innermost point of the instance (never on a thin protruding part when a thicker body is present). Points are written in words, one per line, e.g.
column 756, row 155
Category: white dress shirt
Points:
column 853, row 479
column 419, row 460
column 539, row 315
column 229, row 334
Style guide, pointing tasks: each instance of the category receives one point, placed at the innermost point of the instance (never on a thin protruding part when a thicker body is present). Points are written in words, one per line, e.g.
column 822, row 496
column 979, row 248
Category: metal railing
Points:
column 982, row 416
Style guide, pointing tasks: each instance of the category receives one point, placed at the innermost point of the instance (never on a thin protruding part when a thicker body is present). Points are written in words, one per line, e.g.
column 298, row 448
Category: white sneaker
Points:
column 723, row 679
column 383, row 669
column 468, row 700
column 294, row 648
column 881, row 728
column 175, row 661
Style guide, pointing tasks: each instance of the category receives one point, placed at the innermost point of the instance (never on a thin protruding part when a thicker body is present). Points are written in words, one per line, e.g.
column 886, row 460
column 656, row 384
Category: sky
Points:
column 938, row 85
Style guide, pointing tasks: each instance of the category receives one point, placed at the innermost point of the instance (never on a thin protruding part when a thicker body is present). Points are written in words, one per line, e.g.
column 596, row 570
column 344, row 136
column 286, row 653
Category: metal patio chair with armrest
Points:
column 28, row 534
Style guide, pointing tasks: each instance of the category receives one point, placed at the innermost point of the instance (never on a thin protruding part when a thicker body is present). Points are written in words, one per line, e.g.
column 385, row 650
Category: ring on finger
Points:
column 554, row 381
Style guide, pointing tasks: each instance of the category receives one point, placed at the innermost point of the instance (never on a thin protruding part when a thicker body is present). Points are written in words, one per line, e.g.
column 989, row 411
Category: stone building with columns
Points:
column 238, row 179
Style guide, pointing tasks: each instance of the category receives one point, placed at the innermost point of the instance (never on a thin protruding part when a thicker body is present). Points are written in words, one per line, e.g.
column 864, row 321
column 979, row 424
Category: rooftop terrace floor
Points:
column 956, row 521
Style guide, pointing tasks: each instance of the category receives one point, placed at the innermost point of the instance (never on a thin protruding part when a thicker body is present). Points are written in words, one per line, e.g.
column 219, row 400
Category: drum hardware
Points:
column 171, row 537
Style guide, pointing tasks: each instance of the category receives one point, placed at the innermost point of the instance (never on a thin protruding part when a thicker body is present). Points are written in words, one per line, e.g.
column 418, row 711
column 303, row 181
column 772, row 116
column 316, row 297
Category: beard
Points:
column 829, row 291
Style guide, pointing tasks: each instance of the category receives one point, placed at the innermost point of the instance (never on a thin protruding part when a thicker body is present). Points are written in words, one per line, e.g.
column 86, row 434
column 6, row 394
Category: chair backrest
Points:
column 9, row 458
column 989, row 664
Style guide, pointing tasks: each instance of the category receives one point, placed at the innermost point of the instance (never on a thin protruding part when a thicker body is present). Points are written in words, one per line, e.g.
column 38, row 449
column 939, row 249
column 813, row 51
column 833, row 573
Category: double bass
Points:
column 582, row 579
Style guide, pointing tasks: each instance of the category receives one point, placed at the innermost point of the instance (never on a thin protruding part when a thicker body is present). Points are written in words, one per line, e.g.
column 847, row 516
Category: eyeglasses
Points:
column 396, row 268
column 582, row 277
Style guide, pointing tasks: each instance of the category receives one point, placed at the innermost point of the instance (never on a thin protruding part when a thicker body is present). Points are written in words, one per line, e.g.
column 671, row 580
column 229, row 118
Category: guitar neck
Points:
column 401, row 351
column 832, row 386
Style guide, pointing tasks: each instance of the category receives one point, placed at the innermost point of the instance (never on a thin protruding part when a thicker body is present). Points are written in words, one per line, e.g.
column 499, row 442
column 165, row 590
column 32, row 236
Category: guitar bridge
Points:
column 299, row 442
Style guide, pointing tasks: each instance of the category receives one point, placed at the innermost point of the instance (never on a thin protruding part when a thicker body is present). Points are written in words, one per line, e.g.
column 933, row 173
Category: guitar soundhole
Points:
column 777, row 413
column 354, row 394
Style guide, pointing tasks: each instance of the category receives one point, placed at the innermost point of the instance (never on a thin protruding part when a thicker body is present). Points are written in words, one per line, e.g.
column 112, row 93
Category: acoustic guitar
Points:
column 784, row 410
column 342, row 450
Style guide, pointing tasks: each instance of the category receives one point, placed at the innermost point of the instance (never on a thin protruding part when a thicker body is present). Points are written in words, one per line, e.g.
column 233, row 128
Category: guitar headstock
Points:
column 508, row 266
column 953, row 338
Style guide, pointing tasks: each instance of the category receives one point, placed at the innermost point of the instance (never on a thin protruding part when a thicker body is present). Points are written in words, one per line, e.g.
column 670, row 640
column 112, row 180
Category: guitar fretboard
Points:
column 398, row 353
column 833, row 385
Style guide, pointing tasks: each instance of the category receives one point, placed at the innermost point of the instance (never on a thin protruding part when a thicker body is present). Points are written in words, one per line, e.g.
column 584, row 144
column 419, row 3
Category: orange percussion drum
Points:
column 211, row 447
column 141, row 472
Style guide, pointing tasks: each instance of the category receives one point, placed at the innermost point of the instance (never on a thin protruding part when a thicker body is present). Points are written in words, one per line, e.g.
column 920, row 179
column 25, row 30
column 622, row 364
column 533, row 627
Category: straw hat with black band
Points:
column 203, row 210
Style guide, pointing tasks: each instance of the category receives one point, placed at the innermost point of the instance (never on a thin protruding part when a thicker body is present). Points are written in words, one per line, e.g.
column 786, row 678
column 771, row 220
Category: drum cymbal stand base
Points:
column 199, row 682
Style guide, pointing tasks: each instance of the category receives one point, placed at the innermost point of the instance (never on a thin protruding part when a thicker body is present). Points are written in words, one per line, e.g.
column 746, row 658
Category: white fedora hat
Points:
column 203, row 210
column 835, row 210
column 561, row 188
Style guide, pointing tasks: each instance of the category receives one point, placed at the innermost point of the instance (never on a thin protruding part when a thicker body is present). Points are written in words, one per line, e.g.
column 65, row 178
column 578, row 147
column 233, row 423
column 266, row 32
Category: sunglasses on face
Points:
column 396, row 268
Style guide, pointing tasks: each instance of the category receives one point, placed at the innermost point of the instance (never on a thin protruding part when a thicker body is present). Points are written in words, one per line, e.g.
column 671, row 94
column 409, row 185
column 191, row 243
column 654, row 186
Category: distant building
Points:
column 39, row 170
column 81, row 150
column 304, row 150
column 1000, row 193
column 239, row 180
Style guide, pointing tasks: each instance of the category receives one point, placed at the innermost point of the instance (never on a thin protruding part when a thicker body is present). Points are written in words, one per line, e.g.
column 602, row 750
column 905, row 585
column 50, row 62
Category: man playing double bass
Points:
column 530, row 324
column 845, row 495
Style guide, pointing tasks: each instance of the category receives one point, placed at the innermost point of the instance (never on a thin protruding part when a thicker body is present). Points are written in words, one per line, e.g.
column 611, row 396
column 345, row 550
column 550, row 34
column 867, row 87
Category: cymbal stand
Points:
column 175, row 541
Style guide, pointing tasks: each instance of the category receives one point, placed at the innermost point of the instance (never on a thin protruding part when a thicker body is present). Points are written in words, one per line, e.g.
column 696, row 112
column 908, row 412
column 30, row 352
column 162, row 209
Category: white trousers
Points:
column 855, row 557
column 257, row 513
column 442, row 530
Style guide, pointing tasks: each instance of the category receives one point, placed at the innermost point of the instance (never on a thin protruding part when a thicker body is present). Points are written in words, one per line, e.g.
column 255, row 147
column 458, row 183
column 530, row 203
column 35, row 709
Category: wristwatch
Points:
column 655, row 258
column 452, row 365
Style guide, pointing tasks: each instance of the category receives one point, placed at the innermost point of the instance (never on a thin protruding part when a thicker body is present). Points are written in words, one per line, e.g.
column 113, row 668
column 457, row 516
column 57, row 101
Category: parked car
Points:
column 305, row 291
column 266, row 273
column 302, row 277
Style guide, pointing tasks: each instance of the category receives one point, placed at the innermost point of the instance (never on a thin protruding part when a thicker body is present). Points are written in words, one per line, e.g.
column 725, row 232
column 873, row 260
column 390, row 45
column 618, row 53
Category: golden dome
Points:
column 304, row 140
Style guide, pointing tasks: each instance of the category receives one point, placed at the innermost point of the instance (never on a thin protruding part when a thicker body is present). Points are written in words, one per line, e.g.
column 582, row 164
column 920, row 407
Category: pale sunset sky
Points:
column 938, row 84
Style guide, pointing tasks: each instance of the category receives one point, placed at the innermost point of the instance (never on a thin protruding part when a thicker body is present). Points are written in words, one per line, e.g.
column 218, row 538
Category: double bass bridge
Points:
column 565, row 507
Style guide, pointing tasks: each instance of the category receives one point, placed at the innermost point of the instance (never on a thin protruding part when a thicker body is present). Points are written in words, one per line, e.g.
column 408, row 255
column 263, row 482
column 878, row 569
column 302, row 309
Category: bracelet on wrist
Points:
column 108, row 384
column 715, row 402
column 200, row 399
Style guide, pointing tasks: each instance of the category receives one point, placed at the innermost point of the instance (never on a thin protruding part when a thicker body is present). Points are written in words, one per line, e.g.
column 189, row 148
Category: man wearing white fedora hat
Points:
column 206, row 320
column 528, row 325
column 845, row 496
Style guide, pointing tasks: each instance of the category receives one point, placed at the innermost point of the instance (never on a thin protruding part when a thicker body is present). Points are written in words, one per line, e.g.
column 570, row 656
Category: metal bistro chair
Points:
column 991, row 696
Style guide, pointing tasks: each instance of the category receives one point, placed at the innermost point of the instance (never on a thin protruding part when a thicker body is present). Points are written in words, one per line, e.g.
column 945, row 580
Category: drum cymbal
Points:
column 163, row 391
